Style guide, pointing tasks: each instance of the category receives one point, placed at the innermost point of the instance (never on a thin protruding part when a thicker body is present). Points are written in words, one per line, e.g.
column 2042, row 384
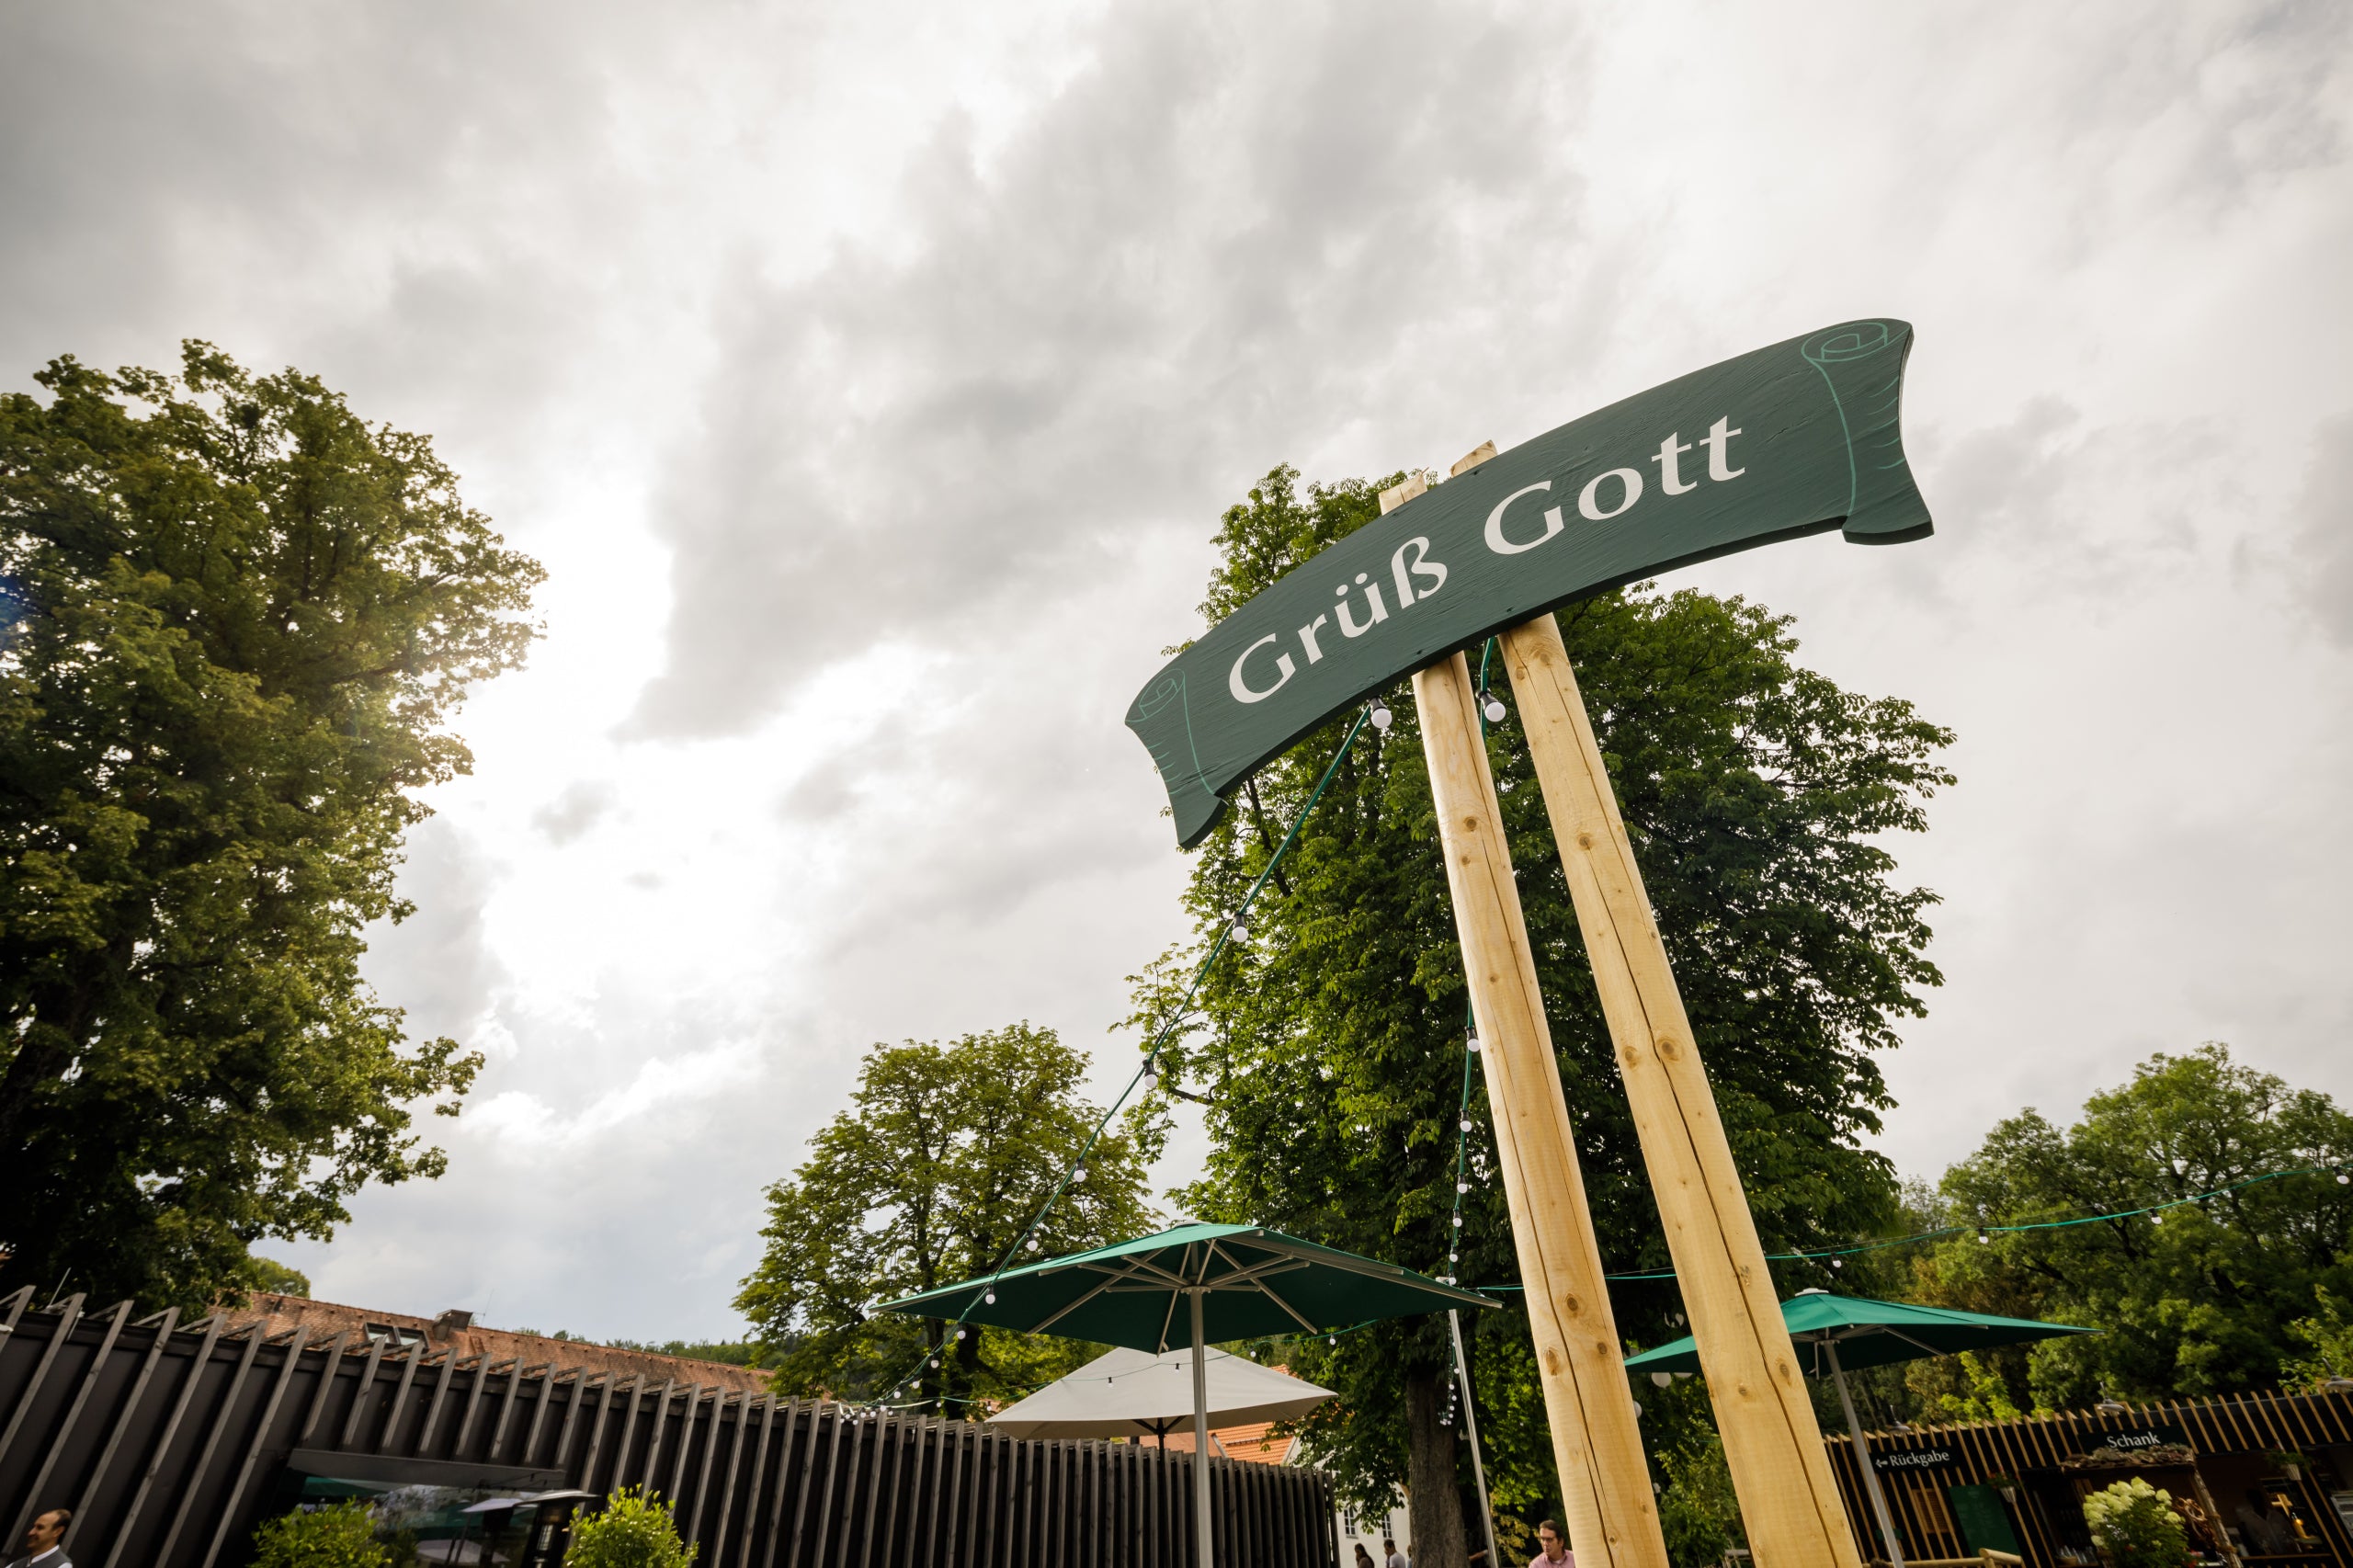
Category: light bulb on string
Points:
column 990, row 1297
column 1837, row 1262
column 1471, row 1043
column 1493, row 710
column 1241, row 929
column 1079, row 1174
column 1381, row 717
column 1466, row 1124
column 1462, row 1186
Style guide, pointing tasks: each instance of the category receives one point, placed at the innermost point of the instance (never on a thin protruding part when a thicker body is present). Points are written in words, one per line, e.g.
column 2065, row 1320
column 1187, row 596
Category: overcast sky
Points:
column 869, row 378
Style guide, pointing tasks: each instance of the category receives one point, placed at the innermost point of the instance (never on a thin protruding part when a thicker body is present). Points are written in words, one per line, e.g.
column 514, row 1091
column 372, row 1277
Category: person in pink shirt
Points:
column 1556, row 1551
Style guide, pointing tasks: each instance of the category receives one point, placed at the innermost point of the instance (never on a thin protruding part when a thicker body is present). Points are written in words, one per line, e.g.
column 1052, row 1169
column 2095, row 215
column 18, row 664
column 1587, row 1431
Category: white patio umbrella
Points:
column 1127, row 1392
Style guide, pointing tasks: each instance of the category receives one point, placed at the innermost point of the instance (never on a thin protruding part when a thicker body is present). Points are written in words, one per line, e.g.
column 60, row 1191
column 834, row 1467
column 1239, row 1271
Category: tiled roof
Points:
column 456, row 1330
column 1256, row 1443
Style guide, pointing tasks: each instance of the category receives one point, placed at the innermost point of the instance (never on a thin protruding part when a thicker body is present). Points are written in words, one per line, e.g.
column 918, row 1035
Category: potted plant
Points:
column 2135, row 1525
column 2007, row 1485
column 2292, row 1465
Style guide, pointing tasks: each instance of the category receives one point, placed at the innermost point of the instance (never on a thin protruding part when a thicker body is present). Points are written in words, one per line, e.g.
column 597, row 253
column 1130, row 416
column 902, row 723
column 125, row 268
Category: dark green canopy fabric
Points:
column 1871, row 1334
column 1256, row 1281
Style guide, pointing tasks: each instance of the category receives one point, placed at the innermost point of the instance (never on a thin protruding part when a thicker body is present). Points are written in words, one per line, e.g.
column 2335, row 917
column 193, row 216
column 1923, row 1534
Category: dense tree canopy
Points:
column 2203, row 1298
column 946, row 1155
column 1331, row 1042
column 237, row 620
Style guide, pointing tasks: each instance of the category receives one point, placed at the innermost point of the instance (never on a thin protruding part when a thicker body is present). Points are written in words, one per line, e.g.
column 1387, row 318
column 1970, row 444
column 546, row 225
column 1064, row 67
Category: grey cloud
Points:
column 1207, row 251
column 2324, row 544
column 435, row 964
column 572, row 814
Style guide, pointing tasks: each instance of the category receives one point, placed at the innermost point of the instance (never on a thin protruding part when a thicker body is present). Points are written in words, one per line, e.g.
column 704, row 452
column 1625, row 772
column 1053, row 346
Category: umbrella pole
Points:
column 1863, row 1458
column 1470, row 1426
column 1200, row 1438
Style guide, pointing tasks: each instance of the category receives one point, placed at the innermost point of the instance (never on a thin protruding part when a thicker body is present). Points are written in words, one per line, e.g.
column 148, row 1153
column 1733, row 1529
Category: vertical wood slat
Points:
column 628, row 1433
column 25, row 1401
column 194, row 1487
column 438, row 1398
column 727, row 1486
column 685, row 1444
column 710, row 1452
column 832, row 1468
column 231, row 1507
column 653, row 1470
column 197, row 1363
column 322, row 1397
column 539, row 1413
column 784, row 1482
column 485, row 1370
column 413, row 1357
column 73, row 1416
column 506, row 1409
column 359, row 1394
column 165, row 1321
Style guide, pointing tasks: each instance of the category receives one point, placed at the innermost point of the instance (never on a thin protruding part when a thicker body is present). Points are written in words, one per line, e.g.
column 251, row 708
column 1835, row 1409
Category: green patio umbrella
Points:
column 1834, row 1332
column 1196, row 1284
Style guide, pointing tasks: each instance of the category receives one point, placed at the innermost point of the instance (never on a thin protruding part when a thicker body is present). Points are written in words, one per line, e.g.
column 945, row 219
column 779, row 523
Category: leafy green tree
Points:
column 946, row 1155
column 1331, row 1041
column 1698, row 1512
column 338, row 1536
column 633, row 1529
column 2327, row 1337
column 2197, row 1299
column 236, row 623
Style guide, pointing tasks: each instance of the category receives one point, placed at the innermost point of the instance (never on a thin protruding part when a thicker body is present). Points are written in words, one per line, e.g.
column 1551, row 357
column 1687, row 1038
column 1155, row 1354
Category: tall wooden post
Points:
column 1605, row 1483
column 1787, row 1500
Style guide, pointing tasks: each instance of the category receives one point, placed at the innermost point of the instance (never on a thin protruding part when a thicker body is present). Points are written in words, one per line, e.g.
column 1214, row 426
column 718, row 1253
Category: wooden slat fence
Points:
column 170, row 1441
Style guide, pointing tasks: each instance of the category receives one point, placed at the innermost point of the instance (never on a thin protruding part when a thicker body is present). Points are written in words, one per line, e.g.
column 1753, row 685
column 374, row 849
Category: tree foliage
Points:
column 633, row 1529
column 1756, row 793
column 237, row 620
column 2198, row 1299
column 341, row 1536
column 945, row 1155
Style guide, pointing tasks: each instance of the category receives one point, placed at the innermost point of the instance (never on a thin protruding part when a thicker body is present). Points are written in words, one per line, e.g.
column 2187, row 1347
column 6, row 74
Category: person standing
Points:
column 1364, row 1558
column 1556, row 1551
column 44, row 1542
column 1396, row 1558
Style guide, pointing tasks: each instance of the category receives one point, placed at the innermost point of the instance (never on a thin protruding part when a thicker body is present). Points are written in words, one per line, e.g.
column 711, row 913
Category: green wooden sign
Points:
column 1794, row 439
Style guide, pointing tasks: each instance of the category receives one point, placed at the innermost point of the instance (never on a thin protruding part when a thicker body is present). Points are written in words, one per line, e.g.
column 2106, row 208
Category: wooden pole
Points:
column 1605, row 1482
column 1789, row 1502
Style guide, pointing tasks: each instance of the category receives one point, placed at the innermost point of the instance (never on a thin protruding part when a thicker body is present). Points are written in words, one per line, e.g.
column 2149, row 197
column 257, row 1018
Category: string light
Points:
column 1381, row 717
column 1493, row 710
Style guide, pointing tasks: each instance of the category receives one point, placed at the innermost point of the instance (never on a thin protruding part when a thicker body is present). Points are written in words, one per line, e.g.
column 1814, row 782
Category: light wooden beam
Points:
column 1611, row 1515
column 1789, row 1502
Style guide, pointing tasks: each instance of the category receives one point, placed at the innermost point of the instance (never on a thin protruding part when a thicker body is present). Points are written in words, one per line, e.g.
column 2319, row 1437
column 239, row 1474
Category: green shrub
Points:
column 340, row 1537
column 634, row 1531
column 2135, row 1523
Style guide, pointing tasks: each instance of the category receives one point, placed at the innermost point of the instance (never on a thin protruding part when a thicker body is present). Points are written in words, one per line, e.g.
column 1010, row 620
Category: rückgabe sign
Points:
column 1797, row 438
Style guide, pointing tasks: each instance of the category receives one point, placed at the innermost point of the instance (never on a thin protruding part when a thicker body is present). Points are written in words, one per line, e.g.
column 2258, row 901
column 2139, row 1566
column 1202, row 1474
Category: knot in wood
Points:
column 1669, row 1047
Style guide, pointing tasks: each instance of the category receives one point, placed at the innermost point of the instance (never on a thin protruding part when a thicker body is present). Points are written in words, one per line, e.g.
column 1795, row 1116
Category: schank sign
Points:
column 1790, row 440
